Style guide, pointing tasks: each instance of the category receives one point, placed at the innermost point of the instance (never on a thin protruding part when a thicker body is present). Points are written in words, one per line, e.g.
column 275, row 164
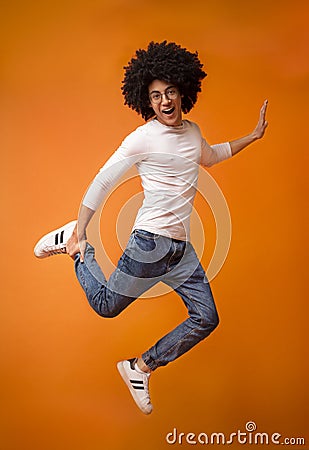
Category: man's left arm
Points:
column 239, row 144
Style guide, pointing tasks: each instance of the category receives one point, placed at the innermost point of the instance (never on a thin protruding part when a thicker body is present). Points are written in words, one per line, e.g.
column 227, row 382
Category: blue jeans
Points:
column 148, row 259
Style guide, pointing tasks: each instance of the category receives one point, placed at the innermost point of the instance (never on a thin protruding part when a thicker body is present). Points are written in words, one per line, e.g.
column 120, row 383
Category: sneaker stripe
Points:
column 137, row 384
column 56, row 238
column 61, row 236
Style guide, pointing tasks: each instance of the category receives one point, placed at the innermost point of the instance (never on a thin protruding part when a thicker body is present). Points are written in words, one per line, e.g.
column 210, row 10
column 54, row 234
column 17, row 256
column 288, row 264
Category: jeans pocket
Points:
column 146, row 234
column 145, row 240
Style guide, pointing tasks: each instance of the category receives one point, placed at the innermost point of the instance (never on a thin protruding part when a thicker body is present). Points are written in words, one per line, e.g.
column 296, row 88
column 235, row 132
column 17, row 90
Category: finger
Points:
column 263, row 115
column 71, row 252
column 82, row 253
column 264, row 108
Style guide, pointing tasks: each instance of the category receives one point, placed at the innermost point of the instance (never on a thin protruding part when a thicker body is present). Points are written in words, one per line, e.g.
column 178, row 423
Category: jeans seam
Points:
column 168, row 262
column 83, row 280
column 197, row 307
column 184, row 290
column 170, row 350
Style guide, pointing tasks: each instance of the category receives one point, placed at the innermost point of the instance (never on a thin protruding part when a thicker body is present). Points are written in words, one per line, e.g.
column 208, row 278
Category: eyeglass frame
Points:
column 174, row 96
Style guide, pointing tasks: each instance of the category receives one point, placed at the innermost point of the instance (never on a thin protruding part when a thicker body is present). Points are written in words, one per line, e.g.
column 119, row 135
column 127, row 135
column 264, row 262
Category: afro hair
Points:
column 162, row 61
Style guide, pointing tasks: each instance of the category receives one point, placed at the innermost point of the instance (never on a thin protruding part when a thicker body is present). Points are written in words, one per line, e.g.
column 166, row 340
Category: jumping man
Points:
column 160, row 83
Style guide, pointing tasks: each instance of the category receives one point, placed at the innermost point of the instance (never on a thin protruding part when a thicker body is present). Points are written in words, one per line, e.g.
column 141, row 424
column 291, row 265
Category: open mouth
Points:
column 168, row 111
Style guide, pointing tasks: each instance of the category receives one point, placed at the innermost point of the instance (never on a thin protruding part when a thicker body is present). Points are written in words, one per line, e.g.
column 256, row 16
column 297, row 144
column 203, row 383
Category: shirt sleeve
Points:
column 213, row 154
column 131, row 151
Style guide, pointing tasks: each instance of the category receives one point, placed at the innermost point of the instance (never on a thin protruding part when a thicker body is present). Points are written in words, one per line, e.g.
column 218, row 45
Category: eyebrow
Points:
column 168, row 87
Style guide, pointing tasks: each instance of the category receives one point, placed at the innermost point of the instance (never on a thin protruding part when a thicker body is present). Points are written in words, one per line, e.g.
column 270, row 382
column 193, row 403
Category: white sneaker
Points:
column 137, row 383
column 54, row 242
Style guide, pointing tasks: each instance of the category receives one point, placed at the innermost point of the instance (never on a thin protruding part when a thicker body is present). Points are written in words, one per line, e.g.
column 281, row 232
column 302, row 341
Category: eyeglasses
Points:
column 170, row 93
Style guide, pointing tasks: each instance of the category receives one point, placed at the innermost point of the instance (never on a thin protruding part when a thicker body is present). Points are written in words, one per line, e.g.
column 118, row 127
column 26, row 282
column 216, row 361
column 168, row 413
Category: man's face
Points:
column 165, row 100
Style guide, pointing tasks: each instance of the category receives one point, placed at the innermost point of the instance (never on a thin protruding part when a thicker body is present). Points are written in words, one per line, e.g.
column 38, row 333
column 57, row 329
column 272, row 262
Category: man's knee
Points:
column 214, row 320
column 110, row 314
column 105, row 304
column 209, row 322
column 102, row 308
column 107, row 313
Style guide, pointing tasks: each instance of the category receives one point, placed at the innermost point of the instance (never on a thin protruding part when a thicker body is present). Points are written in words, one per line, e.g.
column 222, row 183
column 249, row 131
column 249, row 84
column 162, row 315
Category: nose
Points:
column 165, row 100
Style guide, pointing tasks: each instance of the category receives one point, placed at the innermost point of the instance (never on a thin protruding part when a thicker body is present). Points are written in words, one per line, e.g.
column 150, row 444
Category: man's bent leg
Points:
column 203, row 318
column 131, row 278
column 104, row 301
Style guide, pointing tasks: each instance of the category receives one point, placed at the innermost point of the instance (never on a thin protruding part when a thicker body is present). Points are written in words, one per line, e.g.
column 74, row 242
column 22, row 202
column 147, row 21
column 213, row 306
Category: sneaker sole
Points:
column 47, row 236
column 125, row 378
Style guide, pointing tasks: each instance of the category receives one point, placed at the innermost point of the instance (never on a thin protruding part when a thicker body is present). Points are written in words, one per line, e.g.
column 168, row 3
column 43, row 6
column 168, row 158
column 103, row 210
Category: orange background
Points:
column 62, row 115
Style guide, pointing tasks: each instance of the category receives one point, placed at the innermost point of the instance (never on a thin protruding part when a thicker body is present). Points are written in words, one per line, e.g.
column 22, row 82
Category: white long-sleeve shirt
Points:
column 167, row 159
